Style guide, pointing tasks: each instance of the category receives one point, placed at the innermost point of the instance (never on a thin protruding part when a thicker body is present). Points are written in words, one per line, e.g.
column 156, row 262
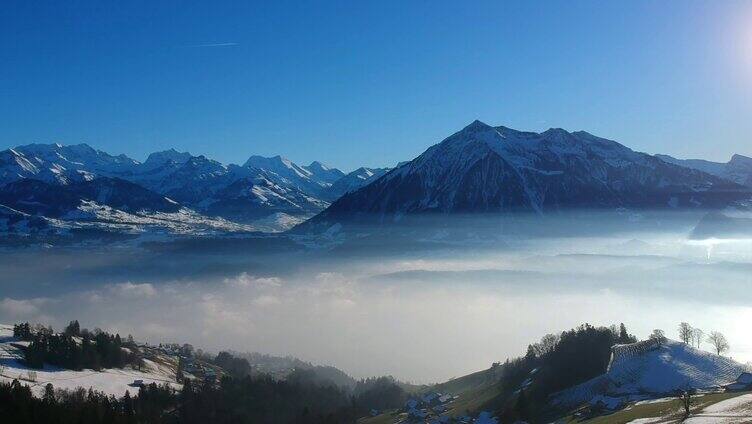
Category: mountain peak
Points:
column 740, row 160
column 171, row 155
column 257, row 161
column 319, row 166
column 556, row 132
column 477, row 125
column 493, row 169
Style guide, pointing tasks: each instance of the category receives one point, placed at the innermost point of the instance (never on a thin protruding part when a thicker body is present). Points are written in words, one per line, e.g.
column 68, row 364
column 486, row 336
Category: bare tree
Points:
column 659, row 335
column 697, row 336
column 686, row 399
column 718, row 341
column 685, row 332
column 32, row 376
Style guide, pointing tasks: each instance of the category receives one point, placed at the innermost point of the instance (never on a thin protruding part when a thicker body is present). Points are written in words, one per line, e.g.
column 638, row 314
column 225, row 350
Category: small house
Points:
column 431, row 398
column 445, row 398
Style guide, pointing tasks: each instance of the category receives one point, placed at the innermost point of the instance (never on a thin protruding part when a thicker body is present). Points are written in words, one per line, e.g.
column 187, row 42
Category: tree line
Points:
column 557, row 361
column 151, row 405
column 694, row 337
column 259, row 399
column 75, row 348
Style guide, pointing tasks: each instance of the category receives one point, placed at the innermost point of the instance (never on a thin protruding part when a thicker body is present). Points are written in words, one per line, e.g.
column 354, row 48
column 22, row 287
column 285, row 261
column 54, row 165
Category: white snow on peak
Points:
column 279, row 165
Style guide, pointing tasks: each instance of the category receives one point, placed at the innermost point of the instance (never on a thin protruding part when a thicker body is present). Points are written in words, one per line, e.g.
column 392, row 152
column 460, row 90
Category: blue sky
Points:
column 372, row 83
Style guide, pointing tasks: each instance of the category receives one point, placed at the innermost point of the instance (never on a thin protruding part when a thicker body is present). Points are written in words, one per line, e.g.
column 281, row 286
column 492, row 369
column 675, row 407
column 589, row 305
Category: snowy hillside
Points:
column 111, row 381
column 487, row 169
column 660, row 371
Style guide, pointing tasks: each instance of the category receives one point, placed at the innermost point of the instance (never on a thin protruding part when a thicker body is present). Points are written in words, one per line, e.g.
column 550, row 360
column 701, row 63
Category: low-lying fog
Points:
column 420, row 314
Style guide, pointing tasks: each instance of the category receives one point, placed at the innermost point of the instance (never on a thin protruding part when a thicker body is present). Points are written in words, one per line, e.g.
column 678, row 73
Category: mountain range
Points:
column 54, row 183
column 479, row 169
column 497, row 169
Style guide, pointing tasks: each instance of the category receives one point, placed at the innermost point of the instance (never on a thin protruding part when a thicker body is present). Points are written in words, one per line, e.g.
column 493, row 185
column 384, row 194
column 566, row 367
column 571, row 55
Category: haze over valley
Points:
column 376, row 212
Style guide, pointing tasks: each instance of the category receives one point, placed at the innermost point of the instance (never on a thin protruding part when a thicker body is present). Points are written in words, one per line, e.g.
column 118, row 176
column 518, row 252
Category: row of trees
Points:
column 561, row 360
column 76, row 348
column 18, row 405
column 694, row 337
column 236, row 367
column 234, row 400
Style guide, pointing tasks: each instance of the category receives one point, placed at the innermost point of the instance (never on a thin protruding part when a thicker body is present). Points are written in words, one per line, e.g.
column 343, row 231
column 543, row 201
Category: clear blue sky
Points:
column 371, row 83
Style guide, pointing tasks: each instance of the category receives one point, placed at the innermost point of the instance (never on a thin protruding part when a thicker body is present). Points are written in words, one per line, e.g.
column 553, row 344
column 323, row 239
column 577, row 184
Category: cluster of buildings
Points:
column 433, row 408
column 194, row 369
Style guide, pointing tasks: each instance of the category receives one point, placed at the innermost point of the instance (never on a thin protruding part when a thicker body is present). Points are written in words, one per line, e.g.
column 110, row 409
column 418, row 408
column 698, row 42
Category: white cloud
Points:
column 247, row 280
column 134, row 291
column 23, row 307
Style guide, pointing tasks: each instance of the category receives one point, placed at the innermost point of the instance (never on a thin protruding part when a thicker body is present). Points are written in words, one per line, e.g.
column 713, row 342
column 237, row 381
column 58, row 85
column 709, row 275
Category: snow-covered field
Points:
column 111, row 381
column 185, row 221
column 672, row 366
column 735, row 410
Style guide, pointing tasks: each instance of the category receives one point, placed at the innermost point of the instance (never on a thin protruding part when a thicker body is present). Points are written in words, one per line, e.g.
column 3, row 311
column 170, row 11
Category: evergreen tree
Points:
column 179, row 372
column 128, row 405
column 49, row 394
column 73, row 329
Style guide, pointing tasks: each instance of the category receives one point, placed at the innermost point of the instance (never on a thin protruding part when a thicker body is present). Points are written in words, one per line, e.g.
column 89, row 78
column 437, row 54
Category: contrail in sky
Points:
column 213, row 45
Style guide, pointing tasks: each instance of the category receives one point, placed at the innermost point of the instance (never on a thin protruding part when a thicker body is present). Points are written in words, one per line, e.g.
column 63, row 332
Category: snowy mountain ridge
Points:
column 479, row 169
column 496, row 169
column 738, row 169
column 272, row 191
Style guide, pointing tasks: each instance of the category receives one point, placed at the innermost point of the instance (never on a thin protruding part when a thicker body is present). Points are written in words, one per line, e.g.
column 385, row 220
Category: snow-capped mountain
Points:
column 263, row 187
column 478, row 169
column 60, row 164
column 253, row 198
column 324, row 173
column 171, row 156
column 738, row 169
column 354, row 180
column 189, row 180
column 487, row 169
column 313, row 179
